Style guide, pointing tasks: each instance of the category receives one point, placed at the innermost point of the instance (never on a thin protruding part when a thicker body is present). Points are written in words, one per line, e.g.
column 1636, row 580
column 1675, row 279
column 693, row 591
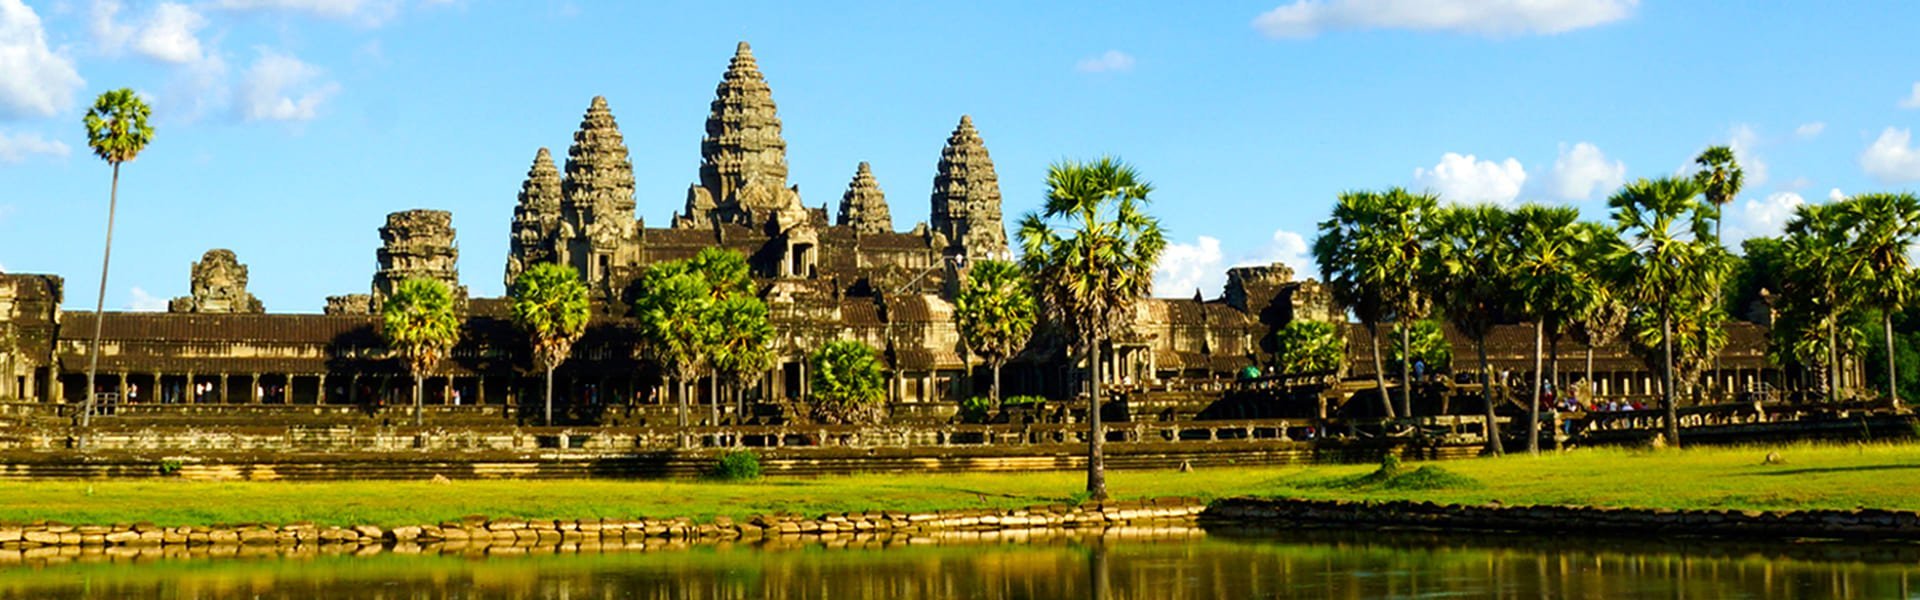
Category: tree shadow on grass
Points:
column 1811, row 471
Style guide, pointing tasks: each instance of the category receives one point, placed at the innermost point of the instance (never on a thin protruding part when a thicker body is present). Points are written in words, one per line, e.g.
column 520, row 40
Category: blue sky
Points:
column 287, row 129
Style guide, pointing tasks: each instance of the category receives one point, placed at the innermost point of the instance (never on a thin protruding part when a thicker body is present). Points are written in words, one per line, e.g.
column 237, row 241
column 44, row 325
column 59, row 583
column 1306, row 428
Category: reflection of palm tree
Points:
column 1098, row 574
column 117, row 131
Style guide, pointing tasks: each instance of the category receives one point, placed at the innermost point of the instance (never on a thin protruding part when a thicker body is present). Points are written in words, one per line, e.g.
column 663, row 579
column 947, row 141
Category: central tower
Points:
column 743, row 159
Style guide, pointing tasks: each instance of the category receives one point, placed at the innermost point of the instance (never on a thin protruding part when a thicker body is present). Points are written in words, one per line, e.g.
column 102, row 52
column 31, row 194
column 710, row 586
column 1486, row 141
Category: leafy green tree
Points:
column 1371, row 252
column 418, row 323
column 1429, row 344
column 846, row 384
column 996, row 313
column 1660, row 221
column 1470, row 278
column 743, row 344
column 1600, row 315
column 117, row 131
column 1308, row 347
column 549, row 303
column 676, row 328
column 1885, row 227
column 1091, row 251
column 1820, row 288
column 1720, row 178
column 1549, row 283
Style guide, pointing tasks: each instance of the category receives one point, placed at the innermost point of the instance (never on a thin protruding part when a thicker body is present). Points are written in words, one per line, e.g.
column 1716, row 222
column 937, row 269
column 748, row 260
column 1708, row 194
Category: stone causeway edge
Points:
column 1853, row 524
column 516, row 532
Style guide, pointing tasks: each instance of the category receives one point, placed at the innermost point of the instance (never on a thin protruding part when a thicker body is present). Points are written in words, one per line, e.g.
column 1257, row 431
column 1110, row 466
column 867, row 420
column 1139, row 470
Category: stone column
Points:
column 222, row 391
column 446, row 391
column 190, row 399
column 323, row 396
column 480, row 390
column 122, row 390
column 253, row 388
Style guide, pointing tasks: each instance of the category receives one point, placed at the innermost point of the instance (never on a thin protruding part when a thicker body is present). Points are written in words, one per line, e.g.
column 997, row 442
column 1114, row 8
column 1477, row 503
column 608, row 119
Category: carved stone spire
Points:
column 598, row 207
column 536, row 218
column 219, row 285
column 864, row 206
column 743, row 159
column 966, row 196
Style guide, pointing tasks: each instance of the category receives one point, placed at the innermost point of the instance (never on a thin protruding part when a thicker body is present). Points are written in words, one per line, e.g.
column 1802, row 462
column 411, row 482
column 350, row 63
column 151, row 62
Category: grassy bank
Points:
column 1813, row 476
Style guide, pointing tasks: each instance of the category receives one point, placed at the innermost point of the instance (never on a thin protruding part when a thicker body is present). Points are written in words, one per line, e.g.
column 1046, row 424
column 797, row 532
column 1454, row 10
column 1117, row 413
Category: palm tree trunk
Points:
column 1666, row 387
column 996, row 382
column 549, row 420
column 419, row 406
column 1833, row 361
column 1379, row 369
column 680, row 385
column 1893, row 374
column 1559, row 385
column 1486, row 394
column 1533, row 401
column 1406, row 368
column 1096, row 440
column 1588, row 374
column 100, row 301
column 713, row 389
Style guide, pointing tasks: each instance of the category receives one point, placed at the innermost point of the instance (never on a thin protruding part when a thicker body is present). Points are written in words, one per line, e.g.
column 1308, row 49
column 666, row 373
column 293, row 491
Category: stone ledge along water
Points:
column 1858, row 524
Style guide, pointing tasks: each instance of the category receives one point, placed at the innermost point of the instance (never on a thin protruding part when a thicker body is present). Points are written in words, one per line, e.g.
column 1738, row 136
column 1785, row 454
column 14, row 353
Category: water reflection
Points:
column 1225, row 565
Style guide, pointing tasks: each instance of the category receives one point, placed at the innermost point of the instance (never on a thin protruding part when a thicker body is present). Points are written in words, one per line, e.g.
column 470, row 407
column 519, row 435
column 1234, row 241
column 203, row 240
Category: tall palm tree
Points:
column 742, row 343
column 1885, row 226
column 117, row 131
column 996, row 314
column 1820, row 287
column 675, row 326
column 1361, row 266
column 1547, row 277
column 726, row 275
column 419, row 324
column 1409, row 250
column 1601, row 315
column 549, row 303
column 1720, row 178
column 1660, row 219
column 1470, row 279
column 1091, row 250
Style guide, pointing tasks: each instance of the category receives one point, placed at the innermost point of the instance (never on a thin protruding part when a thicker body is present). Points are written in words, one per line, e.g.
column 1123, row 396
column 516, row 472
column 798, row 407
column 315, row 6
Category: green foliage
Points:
column 1760, row 266
column 847, row 386
column 418, row 323
column 1091, row 251
column 1720, row 178
column 740, row 465
column 1392, row 475
column 1308, row 347
column 169, row 466
column 1024, row 401
column 673, row 313
column 1671, row 267
column 743, row 341
column 1372, row 253
column 549, row 303
column 977, row 409
column 995, row 312
column 1430, row 346
column 117, row 128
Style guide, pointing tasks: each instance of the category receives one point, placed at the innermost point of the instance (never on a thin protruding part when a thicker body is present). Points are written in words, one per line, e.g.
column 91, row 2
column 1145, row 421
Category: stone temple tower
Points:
column 743, row 159
column 597, row 208
column 966, row 197
column 417, row 243
column 864, row 206
column 536, row 218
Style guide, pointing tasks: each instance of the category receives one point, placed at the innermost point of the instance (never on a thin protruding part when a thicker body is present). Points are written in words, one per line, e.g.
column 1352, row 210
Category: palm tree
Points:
column 419, row 324
column 550, row 305
column 1092, row 266
column 1547, row 277
column 674, row 325
column 1469, row 277
column 1821, row 285
column 117, row 131
column 726, row 275
column 845, row 383
column 1660, row 220
column 742, row 344
column 1409, row 250
column 996, row 313
column 1367, row 267
column 1720, row 179
column 1885, row 226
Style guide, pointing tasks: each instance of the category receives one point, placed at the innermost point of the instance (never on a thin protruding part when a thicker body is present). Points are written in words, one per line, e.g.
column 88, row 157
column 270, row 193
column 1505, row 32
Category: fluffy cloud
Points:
column 37, row 82
column 1752, row 218
column 1109, row 62
column 1466, row 180
column 18, row 147
column 1306, row 18
column 141, row 301
column 279, row 87
column 1187, row 267
column 170, row 33
column 1834, row 195
column 367, row 12
column 1285, row 247
column 1913, row 98
column 1743, row 139
column 1583, row 169
column 1810, row 130
column 1892, row 158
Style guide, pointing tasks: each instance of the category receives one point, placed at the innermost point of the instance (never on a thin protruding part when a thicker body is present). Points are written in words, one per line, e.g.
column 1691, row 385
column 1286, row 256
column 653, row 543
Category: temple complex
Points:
column 849, row 275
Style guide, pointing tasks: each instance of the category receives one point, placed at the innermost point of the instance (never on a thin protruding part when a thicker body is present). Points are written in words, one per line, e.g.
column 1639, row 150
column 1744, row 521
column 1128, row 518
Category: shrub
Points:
column 169, row 466
column 740, row 465
column 977, row 409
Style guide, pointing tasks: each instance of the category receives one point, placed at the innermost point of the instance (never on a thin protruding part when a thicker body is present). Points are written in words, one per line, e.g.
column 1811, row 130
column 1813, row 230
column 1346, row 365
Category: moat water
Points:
column 1223, row 564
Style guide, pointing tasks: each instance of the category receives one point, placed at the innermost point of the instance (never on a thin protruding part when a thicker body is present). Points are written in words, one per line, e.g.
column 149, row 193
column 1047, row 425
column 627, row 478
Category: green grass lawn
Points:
column 1814, row 476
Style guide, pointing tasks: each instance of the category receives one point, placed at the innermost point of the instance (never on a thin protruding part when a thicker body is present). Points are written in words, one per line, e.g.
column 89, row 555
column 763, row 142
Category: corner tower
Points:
column 597, row 212
column 536, row 218
column 966, row 196
column 864, row 206
column 743, row 159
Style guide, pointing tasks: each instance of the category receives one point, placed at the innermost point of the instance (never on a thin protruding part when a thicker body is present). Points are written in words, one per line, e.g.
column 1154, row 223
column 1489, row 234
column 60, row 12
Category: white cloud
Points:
column 1113, row 61
column 1913, row 98
column 1892, row 158
column 278, row 87
column 1834, row 195
column 1285, row 247
column 1743, row 139
column 1583, row 169
column 18, row 147
column 34, row 80
column 1307, row 18
column 1752, row 218
column 367, row 12
column 145, row 302
column 1465, row 180
column 1184, row 268
column 1810, row 130
column 170, row 33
